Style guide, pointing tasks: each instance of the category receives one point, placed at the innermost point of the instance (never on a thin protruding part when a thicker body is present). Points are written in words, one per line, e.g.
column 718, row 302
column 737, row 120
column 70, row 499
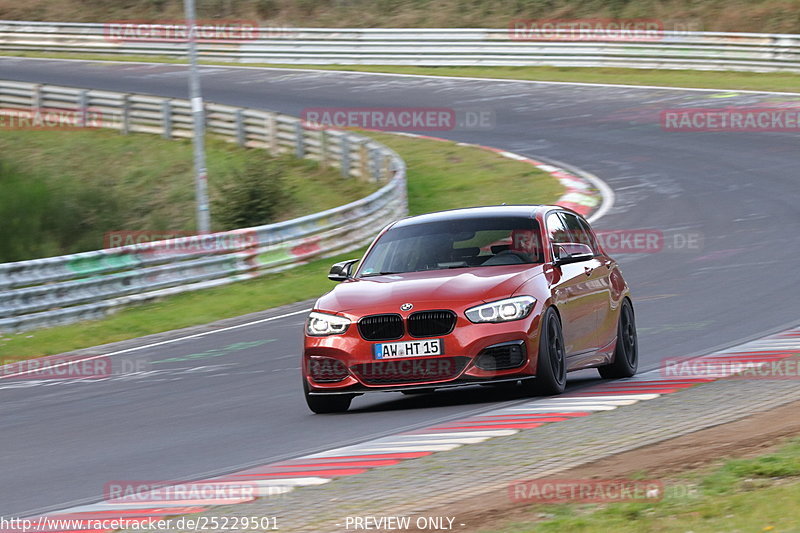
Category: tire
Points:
column 626, row 352
column 551, row 368
column 328, row 403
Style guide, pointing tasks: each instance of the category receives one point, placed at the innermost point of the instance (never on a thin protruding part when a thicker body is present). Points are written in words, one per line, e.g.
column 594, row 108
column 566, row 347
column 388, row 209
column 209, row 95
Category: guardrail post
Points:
column 344, row 156
column 299, row 141
column 241, row 134
column 387, row 167
column 375, row 164
column 36, row 101
column 83, row 104
column 323, row 148
column 272, row 133
column 363, row 161
column 166, row 118
column 125, row 105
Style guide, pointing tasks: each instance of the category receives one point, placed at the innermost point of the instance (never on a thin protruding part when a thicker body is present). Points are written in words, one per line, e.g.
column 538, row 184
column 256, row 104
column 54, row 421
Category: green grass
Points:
column 781, row 82
column 63, row 190
column 754, row 494
column 441, row 175
column 751, row 81
column 777, row 16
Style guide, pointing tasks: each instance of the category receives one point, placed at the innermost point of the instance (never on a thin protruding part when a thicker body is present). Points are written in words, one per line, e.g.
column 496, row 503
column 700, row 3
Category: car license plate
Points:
column 393, row 350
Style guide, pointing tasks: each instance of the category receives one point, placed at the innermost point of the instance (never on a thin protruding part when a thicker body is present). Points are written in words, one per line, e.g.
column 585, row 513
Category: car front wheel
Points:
column 551, row 369
column 626, row 352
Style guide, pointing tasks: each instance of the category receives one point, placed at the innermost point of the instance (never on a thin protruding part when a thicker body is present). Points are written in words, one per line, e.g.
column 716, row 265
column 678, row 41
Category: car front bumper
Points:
column 464, row 360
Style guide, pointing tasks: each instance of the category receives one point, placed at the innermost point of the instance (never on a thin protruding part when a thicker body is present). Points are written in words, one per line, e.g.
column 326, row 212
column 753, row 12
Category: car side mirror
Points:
column 341, row 271
column 571, row 252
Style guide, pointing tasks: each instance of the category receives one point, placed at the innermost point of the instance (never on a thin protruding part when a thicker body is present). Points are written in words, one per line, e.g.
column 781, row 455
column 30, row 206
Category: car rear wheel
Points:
column 551, row 369
column 327, row 403
column 626, row 353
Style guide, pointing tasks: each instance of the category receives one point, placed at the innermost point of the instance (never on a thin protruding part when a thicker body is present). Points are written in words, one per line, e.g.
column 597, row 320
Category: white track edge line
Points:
column 151, row 345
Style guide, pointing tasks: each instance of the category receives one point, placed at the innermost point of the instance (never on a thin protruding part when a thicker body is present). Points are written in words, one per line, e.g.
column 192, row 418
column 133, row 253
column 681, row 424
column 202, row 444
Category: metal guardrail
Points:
column 760, row 52
column 58, row 290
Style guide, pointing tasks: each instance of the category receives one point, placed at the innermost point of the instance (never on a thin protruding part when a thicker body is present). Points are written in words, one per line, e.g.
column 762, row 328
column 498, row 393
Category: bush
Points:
column 251, row 196
column 267, row 8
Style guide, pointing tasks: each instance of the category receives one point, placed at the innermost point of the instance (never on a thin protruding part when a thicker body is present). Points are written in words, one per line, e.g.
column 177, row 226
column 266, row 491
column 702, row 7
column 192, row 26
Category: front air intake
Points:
column 502, row 356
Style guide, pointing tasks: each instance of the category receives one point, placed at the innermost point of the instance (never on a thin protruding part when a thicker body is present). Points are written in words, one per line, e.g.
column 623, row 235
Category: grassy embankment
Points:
column 441, row 175
column 752, row 494
column 63, row 191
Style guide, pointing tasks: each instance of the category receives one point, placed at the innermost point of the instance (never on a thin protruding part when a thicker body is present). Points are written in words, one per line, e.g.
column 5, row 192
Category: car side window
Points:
column 555, row 229
column 576, row 231
column 592, row 237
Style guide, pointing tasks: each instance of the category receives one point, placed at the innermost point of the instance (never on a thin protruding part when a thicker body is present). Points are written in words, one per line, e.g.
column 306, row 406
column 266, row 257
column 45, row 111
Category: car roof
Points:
column 488, row 211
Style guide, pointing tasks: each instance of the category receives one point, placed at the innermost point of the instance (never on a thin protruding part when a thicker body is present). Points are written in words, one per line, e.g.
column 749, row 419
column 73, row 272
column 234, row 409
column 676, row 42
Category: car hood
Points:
column 431, row 289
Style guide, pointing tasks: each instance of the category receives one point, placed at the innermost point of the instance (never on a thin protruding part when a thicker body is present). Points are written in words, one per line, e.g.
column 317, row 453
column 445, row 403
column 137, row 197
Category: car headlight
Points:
column 502, row 310
column 323, row 324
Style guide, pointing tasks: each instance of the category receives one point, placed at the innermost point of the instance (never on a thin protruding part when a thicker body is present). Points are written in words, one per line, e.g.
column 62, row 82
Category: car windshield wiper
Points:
column 386, row 273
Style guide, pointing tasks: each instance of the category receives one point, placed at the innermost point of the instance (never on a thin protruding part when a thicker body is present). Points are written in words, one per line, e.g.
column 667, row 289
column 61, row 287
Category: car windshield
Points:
column 455, row 243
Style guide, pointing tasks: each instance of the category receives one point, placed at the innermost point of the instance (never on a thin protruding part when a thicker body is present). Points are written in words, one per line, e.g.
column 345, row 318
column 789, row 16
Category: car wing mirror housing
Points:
column 342, row 271
column 571, row 252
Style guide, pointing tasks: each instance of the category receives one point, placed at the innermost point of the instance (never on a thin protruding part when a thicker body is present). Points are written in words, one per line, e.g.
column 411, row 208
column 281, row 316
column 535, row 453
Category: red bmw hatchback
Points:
column 498, row 295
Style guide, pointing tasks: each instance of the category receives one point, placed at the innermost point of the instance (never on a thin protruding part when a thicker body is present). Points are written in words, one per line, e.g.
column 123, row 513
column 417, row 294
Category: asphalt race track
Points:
column 727, row 204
